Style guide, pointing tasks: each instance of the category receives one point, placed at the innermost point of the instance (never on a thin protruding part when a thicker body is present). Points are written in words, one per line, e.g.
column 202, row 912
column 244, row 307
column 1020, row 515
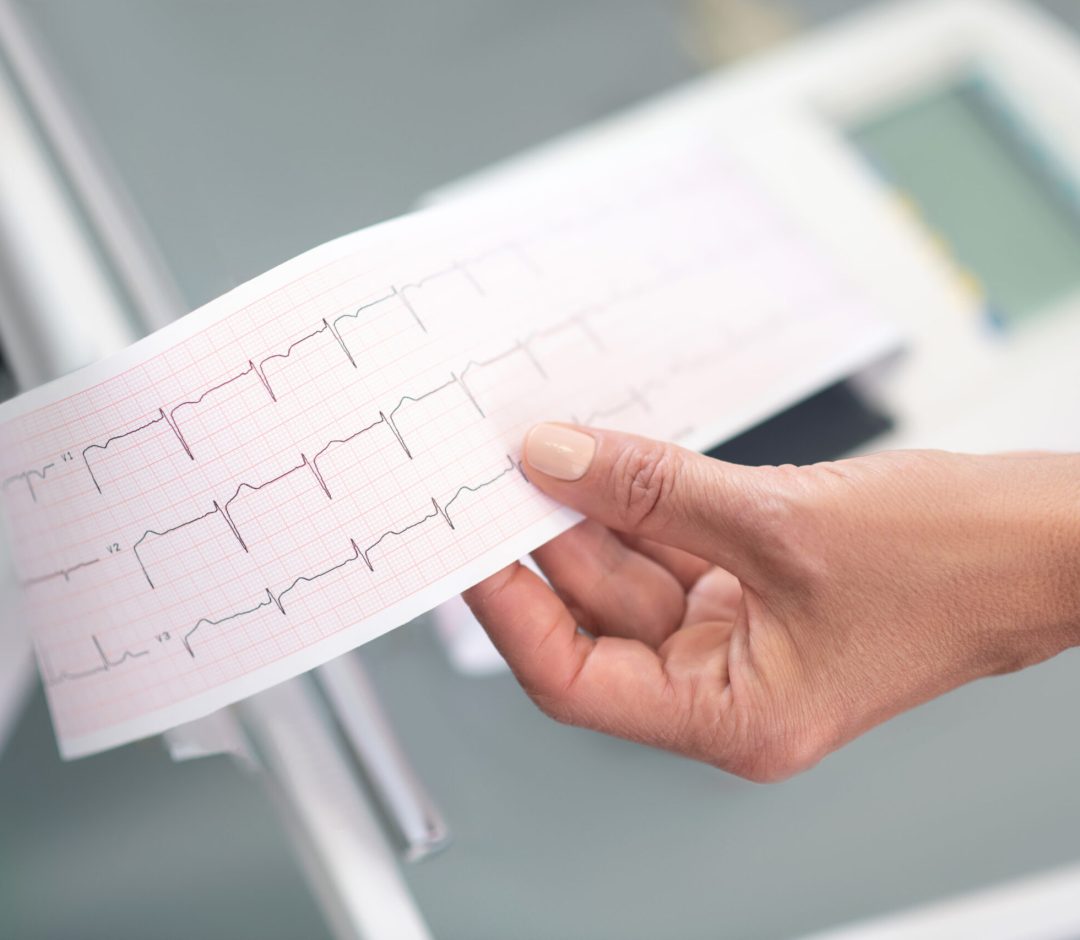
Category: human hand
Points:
column 759, row 618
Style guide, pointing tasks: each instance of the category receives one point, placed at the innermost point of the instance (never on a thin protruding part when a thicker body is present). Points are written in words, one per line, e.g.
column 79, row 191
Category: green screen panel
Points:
column 985, row 189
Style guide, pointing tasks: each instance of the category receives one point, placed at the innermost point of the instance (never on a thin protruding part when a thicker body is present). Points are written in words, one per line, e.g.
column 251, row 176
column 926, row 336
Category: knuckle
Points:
column 642, row 478
column 785, row 523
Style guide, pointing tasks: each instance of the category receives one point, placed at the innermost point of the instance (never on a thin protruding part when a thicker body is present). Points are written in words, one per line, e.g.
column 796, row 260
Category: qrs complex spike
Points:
column 636, row 398
column 391, row 535
column 176, row 528
column 358, row 554
column 259, row 371
column 412, row 399
column 355, row 315
column 305, row 463
column 345, row 440
column 288, row 352
column 223, row 511
column 277, row 600
column 250, row 370
column 27, row 477
column 119, row 437
column 64, row 573
column 106, row 664
column 400, row 293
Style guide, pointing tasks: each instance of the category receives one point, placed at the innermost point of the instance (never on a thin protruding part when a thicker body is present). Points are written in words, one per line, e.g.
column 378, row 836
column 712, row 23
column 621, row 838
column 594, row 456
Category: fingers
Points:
column 532, row 629
column 715, row 597
column 647, row 488
column 611, row 684
column 686, row 568
column 610, row 588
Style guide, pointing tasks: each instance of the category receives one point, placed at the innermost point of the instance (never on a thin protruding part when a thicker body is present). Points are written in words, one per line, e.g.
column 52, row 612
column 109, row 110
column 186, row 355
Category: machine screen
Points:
column 982, row 185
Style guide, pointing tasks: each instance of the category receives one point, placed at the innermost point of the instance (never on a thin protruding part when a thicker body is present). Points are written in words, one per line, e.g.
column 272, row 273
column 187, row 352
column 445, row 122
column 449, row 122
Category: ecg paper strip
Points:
column 333, row 448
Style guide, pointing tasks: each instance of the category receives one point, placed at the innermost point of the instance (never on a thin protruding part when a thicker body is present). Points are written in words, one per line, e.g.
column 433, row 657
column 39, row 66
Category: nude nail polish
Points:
column 559, row 451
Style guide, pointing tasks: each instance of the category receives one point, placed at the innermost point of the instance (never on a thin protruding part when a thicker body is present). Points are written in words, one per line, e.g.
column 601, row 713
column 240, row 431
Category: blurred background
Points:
column 236, row 134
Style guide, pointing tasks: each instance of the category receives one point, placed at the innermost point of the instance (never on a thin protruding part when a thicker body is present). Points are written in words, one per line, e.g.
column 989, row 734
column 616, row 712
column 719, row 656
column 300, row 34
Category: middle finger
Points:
column 612, row 589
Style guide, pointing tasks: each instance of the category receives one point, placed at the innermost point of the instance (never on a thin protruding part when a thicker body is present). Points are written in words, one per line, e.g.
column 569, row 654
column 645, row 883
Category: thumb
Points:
column 648, row 488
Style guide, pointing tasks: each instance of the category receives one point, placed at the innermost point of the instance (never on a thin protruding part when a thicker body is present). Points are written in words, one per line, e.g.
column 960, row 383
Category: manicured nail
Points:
column 559, row 451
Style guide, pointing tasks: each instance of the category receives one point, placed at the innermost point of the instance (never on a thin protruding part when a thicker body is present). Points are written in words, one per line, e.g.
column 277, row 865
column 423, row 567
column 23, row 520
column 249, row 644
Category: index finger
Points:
column 609, row 684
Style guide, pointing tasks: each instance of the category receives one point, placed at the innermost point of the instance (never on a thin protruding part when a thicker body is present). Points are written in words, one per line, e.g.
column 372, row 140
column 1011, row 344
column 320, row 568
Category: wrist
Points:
column 1063, row 531
column 1051, row 523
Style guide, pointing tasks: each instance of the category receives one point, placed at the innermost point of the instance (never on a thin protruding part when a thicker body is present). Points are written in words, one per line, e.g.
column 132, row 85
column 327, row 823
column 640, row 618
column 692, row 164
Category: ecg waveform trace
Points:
column 578, row 319
column 259, row 371
column 635, row 398
column 105, row 665
column 521, row 346
column 222, row 509
column 340, row 442
column 358, row 554
column 27, row 477
column 277, row 600
column 64, row 573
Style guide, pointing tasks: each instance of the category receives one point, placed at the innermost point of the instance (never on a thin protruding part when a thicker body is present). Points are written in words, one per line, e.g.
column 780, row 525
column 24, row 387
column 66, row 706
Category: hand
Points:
column 759, row 618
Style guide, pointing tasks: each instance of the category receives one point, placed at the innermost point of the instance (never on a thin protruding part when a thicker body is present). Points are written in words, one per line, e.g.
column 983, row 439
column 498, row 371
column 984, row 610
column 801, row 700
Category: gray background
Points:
column 249, row 130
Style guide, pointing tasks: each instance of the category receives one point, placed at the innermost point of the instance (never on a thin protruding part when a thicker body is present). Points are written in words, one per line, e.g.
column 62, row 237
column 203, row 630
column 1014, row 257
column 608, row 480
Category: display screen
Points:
column 986, row 188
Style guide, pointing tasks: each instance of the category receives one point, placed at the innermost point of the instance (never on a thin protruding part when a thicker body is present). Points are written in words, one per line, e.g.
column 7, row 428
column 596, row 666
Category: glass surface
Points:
column 985, row 187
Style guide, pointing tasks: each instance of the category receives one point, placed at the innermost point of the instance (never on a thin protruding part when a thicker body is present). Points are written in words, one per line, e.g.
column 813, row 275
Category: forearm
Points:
column 1052, row 525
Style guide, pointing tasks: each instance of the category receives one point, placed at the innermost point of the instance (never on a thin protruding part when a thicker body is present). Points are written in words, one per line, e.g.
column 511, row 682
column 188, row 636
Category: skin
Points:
column 759, row 618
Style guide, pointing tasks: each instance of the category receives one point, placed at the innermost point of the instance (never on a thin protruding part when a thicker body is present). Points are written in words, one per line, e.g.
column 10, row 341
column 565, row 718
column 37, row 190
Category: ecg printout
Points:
column 334, row 448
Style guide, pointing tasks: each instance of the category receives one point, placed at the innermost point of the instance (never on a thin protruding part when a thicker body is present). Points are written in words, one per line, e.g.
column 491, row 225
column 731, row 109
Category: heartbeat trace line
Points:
column 260, row 371
column 288, row 352
column 106, row 664
column 64, row 573
column 636, row 397
column 400, row 293
column 358, row 554
column 311, row 464
column 117, row 437
column 579, row 319
column 521, row 346
column 223, row 509
column 355, row 315
column 276, row 600
column 515, row 247
column 27, row 476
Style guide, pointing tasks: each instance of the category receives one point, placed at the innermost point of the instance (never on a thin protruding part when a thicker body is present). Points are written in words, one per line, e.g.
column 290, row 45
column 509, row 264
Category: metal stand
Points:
column 321, row 743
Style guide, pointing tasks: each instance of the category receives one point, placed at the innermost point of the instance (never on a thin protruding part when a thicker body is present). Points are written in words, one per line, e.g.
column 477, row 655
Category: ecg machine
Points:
column 934, row 146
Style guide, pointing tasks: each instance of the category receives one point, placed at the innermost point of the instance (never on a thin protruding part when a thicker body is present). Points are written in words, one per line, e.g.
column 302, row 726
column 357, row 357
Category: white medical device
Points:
column 935, row 146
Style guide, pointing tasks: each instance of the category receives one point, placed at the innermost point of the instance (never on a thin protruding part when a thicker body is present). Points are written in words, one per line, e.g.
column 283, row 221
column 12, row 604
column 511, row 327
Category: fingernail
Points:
column 559, row 451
